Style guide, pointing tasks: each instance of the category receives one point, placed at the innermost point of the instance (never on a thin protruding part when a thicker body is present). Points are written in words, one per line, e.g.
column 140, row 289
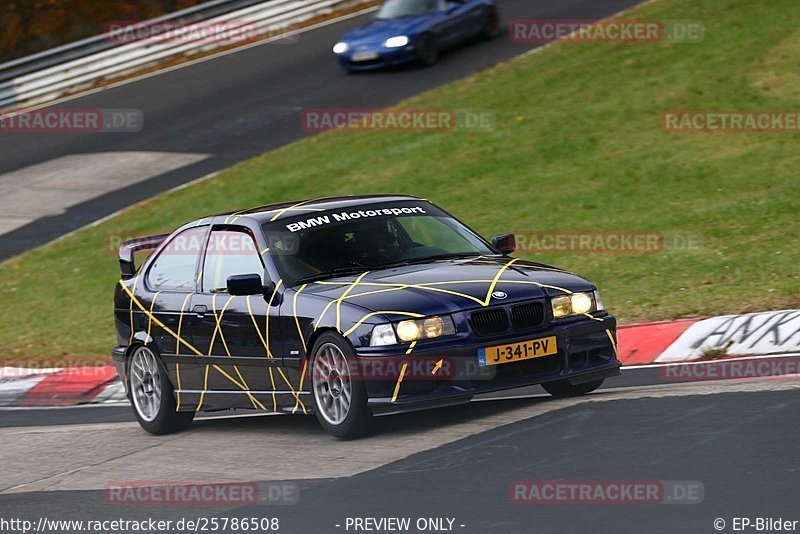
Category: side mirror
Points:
column 246, row 284
column 505, row 243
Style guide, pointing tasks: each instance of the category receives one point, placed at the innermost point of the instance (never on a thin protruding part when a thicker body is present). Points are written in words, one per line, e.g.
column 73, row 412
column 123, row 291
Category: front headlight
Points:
column 382, row 334
column 340, row 48
column 575, row 304
column 598, row 302
column 427, row 328
column 396, row 42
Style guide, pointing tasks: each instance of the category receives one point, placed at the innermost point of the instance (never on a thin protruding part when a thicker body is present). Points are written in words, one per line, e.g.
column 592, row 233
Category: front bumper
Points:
column 586, row 352
column 384, row 57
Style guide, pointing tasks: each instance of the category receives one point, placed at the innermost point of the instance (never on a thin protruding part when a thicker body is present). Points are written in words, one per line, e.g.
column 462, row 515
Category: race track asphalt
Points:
column 229, row 109
column 735, row 439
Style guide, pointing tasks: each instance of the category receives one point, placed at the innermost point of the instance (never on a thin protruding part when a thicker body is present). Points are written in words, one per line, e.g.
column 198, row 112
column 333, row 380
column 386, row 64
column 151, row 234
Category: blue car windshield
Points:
column 323, row 244
column 393, row 9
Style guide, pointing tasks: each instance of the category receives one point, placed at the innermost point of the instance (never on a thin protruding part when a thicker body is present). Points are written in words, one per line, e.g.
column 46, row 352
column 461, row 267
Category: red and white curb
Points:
column 60, row 387
column 751, row 334
column 686, row 340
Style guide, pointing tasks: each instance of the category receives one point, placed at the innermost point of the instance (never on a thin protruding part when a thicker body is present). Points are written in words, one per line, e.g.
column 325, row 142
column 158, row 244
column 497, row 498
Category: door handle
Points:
column 200, row 310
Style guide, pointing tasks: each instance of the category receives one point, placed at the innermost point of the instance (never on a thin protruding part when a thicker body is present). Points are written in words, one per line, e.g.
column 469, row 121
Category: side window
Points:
column 229, row 252
column 174, row 268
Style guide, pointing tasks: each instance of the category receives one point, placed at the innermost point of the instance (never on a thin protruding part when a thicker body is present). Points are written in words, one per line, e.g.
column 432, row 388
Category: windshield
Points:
column 393, row 9
column 325, row 244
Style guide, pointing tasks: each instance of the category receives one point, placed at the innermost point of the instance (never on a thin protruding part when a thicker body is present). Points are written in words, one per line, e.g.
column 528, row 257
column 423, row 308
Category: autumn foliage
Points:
column 29, row 26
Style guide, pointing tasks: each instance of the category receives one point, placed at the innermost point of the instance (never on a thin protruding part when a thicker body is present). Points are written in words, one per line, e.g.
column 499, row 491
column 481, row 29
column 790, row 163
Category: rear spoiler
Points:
column 132, row 246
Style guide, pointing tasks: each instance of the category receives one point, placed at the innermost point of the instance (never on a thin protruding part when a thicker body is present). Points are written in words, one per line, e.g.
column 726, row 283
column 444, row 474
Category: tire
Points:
column 332, row 360
column 152, row 395
column 491, row 24
column 561, row 388
column 427, row 50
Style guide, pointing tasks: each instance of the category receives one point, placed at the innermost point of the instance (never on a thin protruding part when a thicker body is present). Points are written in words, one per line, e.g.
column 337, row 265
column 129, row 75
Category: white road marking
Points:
column 49, row 188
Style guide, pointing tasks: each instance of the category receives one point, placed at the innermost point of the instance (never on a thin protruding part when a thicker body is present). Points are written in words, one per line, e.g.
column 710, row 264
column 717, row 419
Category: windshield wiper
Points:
column 341, row 271
column 425, row 259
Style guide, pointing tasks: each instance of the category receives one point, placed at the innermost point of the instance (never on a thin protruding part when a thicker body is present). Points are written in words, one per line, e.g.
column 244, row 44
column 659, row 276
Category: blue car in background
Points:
column 405, row 31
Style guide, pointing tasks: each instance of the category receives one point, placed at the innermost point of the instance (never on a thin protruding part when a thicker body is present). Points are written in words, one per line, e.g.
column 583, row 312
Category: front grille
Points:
column 528, row 315
column 489, row 322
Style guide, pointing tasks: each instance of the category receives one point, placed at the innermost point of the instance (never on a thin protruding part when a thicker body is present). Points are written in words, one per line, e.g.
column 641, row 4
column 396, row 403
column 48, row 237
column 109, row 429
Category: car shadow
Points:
column 399, row 425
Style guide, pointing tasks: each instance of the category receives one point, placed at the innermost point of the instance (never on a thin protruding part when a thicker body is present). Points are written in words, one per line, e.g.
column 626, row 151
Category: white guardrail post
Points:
column 50, row 82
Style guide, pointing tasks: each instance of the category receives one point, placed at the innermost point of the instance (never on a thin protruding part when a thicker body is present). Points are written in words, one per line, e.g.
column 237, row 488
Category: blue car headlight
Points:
column 396, row 42
column 340, row 48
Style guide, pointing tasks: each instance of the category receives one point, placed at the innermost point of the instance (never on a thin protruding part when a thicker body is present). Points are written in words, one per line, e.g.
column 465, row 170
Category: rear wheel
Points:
column 340, row 401
column 427, row 50
column 562, row 388
column 152, row 395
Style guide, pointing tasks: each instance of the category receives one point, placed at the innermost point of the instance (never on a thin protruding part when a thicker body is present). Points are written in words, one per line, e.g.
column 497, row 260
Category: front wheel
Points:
column 340, row 400
column 562, row 388
column 491, row 24
column 152, row 395
column 427, row 50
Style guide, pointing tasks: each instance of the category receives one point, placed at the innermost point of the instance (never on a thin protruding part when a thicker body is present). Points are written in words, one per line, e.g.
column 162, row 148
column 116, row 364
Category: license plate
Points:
column 526, row 350
column 364, row 56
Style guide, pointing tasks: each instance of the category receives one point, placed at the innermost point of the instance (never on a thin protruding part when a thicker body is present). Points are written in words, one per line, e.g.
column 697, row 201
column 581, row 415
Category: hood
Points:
column 378, row 30
column 451, row 286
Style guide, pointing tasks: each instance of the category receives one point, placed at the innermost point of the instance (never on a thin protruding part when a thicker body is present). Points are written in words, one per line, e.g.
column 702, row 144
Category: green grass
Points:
column 578, row 145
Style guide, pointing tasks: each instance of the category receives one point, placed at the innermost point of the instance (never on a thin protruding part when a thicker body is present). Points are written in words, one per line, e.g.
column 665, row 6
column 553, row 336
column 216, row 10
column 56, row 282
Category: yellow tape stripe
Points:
column 197, row 352
column 296, row 320
column 266, row 320
column 265, row 342
column 430, row 286
column 400, row 379
column 367, row 316
column 302, row 378
column 613, row 343
column 178, row 373
column 152, row 305
column 203, row 394
column 243, row 385
column 339, row 300
column 294, row 207
column 496, row 278
column 135, row 281
column 159, row 323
